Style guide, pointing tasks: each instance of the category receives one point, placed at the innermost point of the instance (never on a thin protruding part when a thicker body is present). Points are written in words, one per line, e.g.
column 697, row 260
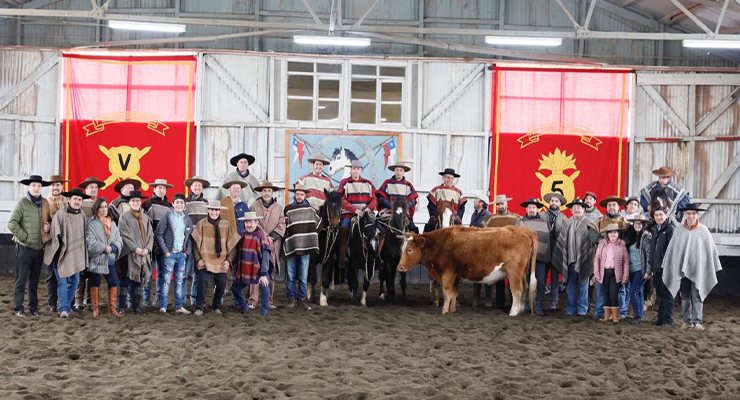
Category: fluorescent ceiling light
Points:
column 712, row 44
column 523, row 41
column 146, row 26
column 332, row 40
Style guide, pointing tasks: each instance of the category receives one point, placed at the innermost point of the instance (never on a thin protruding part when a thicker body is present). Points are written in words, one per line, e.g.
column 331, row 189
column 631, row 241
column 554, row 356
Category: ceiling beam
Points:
column 693, row 17
column 590, row 13
column 365, row 14
column 145, row 42
column 313, row 13
column 721, row 16
column 568, row 14
column 678, row 15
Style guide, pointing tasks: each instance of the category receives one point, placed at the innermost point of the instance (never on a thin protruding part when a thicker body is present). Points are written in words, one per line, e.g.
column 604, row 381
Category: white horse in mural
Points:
column 340, row 161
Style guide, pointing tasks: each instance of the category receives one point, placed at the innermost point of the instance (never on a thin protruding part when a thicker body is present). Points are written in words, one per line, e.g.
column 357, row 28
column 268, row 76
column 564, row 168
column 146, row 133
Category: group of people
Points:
column 655, row 238
column 245, row 233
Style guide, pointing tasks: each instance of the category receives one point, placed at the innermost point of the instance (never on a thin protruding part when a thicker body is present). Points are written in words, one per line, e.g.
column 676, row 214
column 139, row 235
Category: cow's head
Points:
column 411, row 251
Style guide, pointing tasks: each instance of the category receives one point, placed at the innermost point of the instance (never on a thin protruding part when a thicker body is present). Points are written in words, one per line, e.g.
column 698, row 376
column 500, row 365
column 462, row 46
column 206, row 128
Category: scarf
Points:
column 553, row 217
column 193, row 197
column 137, row 215
column 690, row 227
column 268, row 203
column 215, row 223
column 72, row 210
column 612, row 216
column 246, row 174
column 106, row 224
column 35, row 200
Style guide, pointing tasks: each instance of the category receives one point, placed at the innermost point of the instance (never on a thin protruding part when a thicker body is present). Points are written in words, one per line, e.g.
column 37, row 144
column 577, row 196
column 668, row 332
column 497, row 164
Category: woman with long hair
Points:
column 104, row 246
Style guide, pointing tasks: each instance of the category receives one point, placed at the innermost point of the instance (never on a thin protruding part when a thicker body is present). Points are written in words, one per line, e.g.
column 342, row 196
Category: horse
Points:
column 363, row 242
column 330, row 214
column 340, row 159
column 445, row 218
column 390, row 253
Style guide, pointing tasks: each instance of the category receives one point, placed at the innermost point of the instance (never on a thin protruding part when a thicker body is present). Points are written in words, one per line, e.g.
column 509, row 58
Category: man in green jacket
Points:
column 26, row 225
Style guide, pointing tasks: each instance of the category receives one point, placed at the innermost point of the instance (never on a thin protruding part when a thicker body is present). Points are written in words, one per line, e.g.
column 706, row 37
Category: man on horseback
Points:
column 446, row 191
column 677, row 195
column 397, row 187
column 358, row 197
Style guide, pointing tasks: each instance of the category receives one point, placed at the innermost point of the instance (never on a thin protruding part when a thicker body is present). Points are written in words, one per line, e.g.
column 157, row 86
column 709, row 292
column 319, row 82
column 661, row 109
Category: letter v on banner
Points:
column 559, row 130
column 136, row 122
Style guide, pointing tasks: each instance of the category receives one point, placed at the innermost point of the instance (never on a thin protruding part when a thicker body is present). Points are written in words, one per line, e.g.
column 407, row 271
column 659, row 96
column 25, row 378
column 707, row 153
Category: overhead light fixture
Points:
column 524, row 41
column 332, row 40
column 711, row 44
column 146, row 26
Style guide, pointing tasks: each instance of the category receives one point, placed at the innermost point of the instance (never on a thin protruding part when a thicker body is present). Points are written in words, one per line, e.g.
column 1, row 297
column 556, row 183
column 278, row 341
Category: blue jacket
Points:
column 164, row 235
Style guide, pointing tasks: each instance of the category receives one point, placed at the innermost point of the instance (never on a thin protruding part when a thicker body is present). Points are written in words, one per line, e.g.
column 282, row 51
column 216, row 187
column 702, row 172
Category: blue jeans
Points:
column 345, row 223
column 635, row 294
column 241, row 303
column 194, row 285
column 575, row 283
column 554, row 286
column 147, row 286
column 599, row 300
column 175, row 262
column 298, row 269
column 187, row 271
column 540, row 272
column 66, row 288
column 624, row 302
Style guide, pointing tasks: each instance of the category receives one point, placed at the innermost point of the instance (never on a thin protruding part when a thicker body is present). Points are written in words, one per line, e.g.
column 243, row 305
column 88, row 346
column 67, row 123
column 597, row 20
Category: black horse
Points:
column 330, row 214
column 390, row 253
column 363, row 256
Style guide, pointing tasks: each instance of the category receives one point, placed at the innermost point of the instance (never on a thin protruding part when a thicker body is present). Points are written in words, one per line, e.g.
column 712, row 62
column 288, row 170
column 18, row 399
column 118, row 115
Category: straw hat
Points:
column 161, row 182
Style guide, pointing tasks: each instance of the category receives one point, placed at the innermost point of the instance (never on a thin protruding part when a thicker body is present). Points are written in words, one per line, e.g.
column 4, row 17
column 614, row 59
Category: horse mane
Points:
column 351, row 155
column 658, row 199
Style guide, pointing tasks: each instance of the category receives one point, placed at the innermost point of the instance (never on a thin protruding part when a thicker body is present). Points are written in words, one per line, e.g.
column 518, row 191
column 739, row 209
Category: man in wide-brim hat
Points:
column 196, row 211
column 120, row 205
column 398, row 187
column 214, row 254
column 55, row 202
column 137, row 234
column 533, row 220
column 67, row 250
column 446, row 191
column 91, row 185
column 301, row 243
column 242, row 162
column 574, row 257
column 273, row 223
column 503, row 217
column 27, row 227
column 691, row 265
column 676, row 194
column 555, row 222
column 234, row 203
column 156, row 208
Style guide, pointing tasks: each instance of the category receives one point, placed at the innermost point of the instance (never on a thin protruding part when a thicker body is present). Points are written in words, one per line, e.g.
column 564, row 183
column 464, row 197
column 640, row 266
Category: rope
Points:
column 331, row 240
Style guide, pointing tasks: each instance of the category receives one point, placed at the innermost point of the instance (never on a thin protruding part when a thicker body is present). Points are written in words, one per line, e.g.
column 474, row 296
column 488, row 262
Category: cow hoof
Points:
column 322, row 301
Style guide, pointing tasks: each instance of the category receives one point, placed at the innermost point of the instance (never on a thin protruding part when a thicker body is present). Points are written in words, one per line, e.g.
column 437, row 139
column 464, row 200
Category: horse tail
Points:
column 532, row 286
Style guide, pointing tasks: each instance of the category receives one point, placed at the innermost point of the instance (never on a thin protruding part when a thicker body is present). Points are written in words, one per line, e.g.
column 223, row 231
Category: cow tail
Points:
column 532, row 274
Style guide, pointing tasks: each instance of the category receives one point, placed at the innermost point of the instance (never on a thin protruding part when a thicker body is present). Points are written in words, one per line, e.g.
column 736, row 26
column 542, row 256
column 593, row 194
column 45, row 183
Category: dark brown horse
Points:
column 328, row 256
column 390, row 253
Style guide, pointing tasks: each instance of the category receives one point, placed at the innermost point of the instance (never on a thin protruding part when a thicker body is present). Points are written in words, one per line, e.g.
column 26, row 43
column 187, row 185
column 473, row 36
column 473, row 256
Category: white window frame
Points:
column 379, row 81
column 317, row 76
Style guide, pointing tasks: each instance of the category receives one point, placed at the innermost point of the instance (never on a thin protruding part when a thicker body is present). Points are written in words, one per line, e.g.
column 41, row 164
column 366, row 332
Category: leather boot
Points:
column 343, row 240
column 136, row 302
column 615, row 315
column 607, row 315
column 95, row 300
column 112, row 294
column 122, row 301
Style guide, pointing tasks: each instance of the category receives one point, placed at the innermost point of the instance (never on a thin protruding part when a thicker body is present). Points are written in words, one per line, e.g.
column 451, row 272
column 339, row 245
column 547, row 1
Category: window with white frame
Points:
column 377, row 94
column 313, row 91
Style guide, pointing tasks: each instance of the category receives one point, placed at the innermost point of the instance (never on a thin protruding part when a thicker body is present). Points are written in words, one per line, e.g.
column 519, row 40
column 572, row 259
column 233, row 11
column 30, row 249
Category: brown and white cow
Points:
column 479, row 255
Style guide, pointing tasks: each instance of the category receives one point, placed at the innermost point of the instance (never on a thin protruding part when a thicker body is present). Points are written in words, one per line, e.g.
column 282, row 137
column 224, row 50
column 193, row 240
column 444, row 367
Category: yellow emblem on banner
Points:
column 124, row 162
column 533, row 134
column 557, row 163
column 151, row 120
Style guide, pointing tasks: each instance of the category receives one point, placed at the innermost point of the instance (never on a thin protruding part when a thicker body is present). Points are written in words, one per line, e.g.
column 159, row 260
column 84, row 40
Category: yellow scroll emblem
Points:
column 557, row 163
column 124, row 163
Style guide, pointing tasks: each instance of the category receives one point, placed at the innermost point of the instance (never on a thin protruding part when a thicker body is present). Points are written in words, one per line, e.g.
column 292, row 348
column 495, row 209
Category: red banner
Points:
column 128, row 117
column 559, row 130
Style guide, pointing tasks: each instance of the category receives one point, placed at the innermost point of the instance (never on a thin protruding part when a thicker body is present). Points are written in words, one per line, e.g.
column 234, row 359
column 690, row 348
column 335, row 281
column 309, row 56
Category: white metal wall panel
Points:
column 220, row 100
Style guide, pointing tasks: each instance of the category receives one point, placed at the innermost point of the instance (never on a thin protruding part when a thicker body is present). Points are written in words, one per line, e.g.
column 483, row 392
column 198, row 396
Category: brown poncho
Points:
column 67, row 243
column 204, row 239
column 139, row 267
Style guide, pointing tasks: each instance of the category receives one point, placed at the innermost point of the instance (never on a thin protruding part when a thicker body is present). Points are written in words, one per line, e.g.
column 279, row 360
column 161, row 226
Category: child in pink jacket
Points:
column 611, row 269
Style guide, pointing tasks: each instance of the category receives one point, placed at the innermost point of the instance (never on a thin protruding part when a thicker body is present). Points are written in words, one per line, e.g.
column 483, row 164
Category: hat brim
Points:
column 70, row 195
column 394, row 166
column 622, row 202
column 155, row 184
column 274, row 188
column 30, row 181
column 236, row 158
column 250, row 219
column 562, row 198
column 227, row 185
column 507, row 199
column 697, row 209
column 527, row 203
column 142, row 197
column 220, row 208
column 205, row 183
column 313, row 160
column 571, row 204
column 299, row 190
column 121, row 184
column 643, row 220
column 663, row 172
column 85, row 184
column 456, row 175
column 58, row 181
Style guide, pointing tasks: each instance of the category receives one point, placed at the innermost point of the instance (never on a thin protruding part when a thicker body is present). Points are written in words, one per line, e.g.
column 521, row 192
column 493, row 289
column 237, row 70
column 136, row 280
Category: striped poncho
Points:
column 316, row 184
column 357, row 194
column 255, row 258
column 301, row 236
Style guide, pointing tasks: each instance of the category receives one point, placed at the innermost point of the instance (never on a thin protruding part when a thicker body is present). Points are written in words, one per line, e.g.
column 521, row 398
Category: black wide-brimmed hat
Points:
column 135, row 194
column 35, row 179
column 532, row 201
column 450, row 171
column 124, row 182
column 692, row 207
column 576, row 202
column 76, row 192
column 236, row 158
